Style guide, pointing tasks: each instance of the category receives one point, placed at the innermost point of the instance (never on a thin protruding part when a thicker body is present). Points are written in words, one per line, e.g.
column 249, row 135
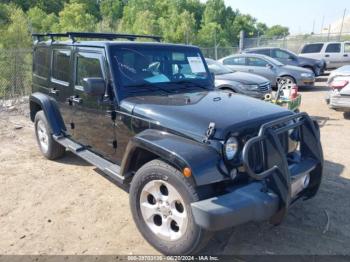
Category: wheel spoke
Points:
column 148, row 210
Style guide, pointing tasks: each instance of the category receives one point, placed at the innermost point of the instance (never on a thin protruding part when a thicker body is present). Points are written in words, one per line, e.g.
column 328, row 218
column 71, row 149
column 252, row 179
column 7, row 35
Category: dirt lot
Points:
column 66, row 207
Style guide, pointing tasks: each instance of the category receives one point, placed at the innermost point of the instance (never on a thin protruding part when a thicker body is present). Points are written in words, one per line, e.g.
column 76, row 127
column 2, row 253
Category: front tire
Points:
column 48, row 146
column 160, row 198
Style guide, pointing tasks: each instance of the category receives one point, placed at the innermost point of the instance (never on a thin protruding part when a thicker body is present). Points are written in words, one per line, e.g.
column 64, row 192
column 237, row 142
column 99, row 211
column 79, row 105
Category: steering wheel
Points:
column 179, row 76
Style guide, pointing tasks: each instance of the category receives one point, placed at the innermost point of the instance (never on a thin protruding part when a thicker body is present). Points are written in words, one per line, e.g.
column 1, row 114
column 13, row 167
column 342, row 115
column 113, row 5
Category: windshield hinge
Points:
column 210, row 132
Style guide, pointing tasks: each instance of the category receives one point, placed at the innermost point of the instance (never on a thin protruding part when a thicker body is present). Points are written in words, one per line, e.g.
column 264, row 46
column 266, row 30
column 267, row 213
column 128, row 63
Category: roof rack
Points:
column 108, row 36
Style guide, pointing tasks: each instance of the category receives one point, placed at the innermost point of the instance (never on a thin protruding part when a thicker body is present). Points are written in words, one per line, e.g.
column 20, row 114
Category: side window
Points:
column 346, row 47
column 234, row 61
column 87, row 65
column 254, row 61
column 41, row 62
column 281, row 54
column 312, row 48
column 61, row 65
column 333, row 48
column 263, row 52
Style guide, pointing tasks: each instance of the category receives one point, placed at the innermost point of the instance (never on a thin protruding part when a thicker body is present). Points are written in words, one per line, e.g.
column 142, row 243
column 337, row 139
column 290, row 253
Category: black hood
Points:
column 244, row 78
column 191, row 113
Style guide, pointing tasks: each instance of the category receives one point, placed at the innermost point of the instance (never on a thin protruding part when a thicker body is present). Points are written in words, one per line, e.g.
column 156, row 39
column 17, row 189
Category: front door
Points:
column 92, row 124
column 256, row 65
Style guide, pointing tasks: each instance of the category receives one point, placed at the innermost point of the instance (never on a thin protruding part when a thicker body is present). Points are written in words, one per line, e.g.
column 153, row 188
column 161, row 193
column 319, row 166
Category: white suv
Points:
column 336, row 54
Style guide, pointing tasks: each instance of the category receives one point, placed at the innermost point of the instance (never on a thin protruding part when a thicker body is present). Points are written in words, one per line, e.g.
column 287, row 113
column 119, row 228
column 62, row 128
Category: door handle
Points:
column 346, row 55
column 326, row 55
column 250, row 70
column 53, row 91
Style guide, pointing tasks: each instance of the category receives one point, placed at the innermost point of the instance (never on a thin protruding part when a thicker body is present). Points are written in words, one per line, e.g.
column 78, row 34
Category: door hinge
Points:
column 115, row 144
column 72, row 125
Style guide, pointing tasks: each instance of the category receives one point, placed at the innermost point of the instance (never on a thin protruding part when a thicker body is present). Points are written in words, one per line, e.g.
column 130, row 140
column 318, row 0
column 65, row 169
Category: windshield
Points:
column 273, row 61
column 217, row 68
column 159, row 67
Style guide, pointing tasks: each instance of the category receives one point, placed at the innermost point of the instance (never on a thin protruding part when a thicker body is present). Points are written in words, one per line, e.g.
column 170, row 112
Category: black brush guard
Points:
column 276, row 171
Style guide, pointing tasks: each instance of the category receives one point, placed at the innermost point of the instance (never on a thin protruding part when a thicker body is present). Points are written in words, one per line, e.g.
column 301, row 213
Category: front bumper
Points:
column 276, row 187
column 339, row 102
column 304, row 82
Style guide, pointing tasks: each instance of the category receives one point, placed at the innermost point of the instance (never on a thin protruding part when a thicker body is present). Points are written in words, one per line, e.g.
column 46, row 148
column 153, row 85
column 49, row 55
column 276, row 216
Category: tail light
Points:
column 294, row 92
column 339, row 84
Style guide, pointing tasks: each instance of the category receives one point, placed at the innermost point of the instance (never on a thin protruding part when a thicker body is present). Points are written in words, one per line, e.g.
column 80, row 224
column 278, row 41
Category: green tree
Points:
column 277, row 31
column 261, row 28
column 181, row 28
column 74, row 17
column 111, row 12
column 40, row 21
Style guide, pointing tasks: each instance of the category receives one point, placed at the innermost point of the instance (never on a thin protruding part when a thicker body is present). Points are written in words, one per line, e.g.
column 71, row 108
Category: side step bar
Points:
column 110, row 169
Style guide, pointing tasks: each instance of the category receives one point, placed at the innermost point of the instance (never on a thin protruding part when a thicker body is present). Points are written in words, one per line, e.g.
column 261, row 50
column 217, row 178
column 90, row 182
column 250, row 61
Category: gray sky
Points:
column 298, row 15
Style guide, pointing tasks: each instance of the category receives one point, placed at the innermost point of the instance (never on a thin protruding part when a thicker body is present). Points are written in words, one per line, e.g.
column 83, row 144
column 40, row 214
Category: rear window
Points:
column 234, row 61
column 333, row 48
column 312, row 48
column 41, row 62
column 61, row 65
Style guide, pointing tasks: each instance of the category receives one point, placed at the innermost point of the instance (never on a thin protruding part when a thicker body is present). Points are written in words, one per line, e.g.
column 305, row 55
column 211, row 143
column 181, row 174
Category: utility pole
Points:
column 342, row 23
column 322, row 24
column 329, row 32
column 313, row 27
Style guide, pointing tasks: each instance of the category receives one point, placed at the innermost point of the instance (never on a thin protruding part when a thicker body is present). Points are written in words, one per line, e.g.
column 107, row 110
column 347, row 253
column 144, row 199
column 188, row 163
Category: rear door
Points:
column 61, row 85
column 333, row 55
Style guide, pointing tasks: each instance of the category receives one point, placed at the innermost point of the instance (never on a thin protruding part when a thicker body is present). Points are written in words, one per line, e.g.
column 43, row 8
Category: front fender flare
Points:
column 51, row 111
column 180, row 152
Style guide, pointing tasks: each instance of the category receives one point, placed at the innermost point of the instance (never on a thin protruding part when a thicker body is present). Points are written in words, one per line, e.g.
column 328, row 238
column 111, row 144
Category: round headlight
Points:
column 231, row 148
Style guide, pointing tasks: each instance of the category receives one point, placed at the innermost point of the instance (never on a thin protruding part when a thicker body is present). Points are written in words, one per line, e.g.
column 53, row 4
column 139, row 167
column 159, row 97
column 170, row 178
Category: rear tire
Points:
column 48, row 146
column 160, row 198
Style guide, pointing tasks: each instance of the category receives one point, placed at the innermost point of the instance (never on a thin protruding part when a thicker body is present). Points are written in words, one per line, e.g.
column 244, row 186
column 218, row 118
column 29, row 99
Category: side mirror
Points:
column 94, row 86
column 269, row 66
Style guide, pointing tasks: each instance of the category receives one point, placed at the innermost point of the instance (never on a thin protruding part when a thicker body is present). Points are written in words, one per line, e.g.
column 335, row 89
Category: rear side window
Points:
column 61, row 65
column 312, row 48
column 234, row 61
column 41, row 62
column 87, row 65
column 333, row 48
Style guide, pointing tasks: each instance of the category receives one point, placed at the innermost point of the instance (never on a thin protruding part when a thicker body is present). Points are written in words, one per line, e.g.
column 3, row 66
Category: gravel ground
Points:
column 66, row 207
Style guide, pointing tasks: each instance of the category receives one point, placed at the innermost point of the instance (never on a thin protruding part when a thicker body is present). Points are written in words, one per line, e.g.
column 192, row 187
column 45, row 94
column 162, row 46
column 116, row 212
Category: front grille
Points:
column 265, row 87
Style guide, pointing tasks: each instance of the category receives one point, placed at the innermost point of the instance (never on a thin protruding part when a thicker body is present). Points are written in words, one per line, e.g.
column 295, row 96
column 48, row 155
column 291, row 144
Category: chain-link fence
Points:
column 219, row 52
column 15, row 73
column 293, row 43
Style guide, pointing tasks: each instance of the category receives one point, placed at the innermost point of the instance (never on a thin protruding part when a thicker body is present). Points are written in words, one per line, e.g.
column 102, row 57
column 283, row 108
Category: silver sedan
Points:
column 270, row 68
column 238, row 82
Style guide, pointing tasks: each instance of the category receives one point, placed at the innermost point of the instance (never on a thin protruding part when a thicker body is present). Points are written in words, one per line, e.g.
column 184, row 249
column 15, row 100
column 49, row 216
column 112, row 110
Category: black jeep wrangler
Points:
column 194, row 160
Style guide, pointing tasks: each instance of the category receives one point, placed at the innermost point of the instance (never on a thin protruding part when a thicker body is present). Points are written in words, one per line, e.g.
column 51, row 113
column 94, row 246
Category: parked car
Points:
column 339, row 96
column 289, row 58
column 193, row 159
column 336, row 54
column 238, row 82
column 270, row 68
